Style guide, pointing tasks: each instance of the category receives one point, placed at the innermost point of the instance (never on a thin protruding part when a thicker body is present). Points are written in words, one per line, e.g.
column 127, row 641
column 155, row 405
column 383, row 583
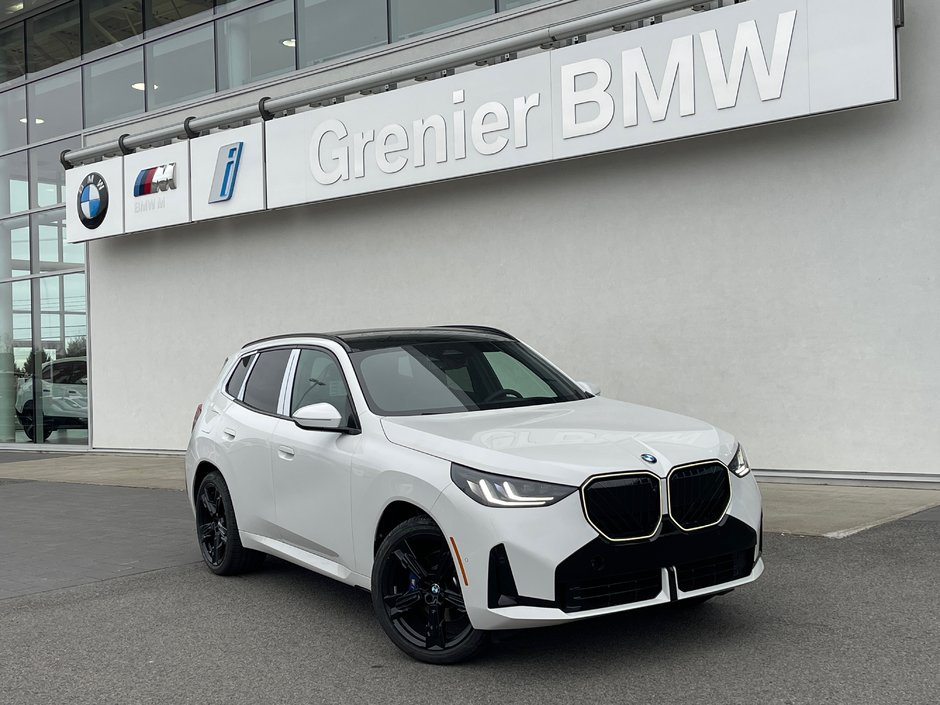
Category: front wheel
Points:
column 417, row 598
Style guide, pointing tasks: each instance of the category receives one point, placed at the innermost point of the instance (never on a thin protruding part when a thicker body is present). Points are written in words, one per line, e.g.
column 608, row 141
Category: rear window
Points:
column 234, row 385
column 264, row 385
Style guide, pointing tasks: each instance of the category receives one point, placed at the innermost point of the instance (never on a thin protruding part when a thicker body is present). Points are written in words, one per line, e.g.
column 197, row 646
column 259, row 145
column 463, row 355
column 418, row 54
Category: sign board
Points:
column 94, row 200
column 745, row 64
column 228, row 172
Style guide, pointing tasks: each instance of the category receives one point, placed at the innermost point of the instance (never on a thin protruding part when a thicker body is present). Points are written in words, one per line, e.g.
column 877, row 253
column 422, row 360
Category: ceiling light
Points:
column 290, row 43
column 38, row 121
column 140, row 86
column 15, row 7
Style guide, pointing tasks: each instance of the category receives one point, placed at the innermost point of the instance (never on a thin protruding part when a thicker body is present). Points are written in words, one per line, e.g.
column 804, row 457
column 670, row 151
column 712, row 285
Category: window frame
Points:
column 287, row 367
column 228, row 378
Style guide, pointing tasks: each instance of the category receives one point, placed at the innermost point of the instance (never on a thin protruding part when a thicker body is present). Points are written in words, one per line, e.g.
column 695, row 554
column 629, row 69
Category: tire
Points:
column 417, row 598
column 29, row 427
column 217, row 530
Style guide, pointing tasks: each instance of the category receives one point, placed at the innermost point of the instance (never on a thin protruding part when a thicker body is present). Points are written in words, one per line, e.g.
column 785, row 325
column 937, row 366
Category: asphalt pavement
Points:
column 853, row 620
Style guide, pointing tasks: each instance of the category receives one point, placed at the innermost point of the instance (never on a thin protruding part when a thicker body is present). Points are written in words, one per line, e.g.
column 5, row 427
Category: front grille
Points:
column 699, row 495
column 624, row 507
column 637, row 586
column 714, row 571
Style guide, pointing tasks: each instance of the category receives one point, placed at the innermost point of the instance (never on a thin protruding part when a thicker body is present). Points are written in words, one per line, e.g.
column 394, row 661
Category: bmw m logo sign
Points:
column 226, row 171
column 155, row 179
column 92, row 200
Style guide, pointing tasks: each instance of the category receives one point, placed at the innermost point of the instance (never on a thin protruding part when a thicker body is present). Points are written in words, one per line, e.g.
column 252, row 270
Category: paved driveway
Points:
column 850, row 621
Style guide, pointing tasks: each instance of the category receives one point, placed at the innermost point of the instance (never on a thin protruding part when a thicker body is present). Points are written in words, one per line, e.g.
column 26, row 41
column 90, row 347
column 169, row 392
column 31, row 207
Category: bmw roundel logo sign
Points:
column 92, row 200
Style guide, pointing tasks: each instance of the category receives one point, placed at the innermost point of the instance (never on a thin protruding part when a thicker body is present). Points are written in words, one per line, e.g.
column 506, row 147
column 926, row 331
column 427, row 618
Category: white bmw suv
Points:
column 467, row 482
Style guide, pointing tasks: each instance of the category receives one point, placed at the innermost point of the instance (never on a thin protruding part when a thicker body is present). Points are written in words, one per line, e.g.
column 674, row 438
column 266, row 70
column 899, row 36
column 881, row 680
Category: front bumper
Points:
column 547, row 565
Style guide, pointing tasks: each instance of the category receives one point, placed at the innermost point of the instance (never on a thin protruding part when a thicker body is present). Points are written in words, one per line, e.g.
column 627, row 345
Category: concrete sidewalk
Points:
column 833, row 511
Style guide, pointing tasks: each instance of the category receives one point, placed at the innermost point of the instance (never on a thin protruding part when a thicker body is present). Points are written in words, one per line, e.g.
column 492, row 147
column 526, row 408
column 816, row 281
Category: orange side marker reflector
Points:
column 459, row 561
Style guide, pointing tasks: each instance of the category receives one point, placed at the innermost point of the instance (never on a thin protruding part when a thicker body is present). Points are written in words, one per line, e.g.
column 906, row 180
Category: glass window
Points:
column 330, row 28
column 16, row 386
column 181, row 67
column 12, row 119
column 264, row 385
column 46, row 173
column 162, row 12
column 12, row 53
column 319, row 380
column 446, row 377
column 412, row 17
column 109, row 22
column 14, row 184
column 64, row 400
column 52, row 104
column 253, row 45
column 54, row 37
column 234, row 385
column 55, row 252
column 14, row 247
column 114, row 87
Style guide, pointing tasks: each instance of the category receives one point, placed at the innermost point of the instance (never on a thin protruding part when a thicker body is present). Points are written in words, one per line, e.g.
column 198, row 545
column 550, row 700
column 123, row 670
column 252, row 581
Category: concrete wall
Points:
column 780, row 282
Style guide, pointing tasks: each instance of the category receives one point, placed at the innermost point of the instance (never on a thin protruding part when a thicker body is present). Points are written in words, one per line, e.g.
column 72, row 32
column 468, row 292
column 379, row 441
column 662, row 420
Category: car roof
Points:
column 377, row 338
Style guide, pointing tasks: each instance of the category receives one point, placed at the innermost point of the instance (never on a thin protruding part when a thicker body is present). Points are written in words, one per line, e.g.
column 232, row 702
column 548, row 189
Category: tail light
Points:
column 196, row 415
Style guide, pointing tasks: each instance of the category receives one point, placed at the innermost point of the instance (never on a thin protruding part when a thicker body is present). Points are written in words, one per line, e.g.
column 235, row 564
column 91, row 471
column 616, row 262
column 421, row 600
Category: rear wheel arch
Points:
column 203, row 469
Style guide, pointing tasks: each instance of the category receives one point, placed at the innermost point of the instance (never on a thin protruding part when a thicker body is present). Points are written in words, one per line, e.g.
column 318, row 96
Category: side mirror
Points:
column 590, row 388
column 318, row 417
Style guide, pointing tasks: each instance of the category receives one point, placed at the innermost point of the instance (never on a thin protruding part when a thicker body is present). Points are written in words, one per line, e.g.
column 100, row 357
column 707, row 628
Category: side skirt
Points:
column 304, row 559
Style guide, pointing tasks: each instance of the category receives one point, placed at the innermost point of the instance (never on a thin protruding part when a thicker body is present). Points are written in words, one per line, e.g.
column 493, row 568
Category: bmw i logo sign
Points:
column 92, row 200
column 648, row 458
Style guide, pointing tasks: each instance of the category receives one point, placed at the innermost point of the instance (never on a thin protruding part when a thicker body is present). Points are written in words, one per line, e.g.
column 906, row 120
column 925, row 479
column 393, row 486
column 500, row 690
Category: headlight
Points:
column 739, row 465
column 501, row 491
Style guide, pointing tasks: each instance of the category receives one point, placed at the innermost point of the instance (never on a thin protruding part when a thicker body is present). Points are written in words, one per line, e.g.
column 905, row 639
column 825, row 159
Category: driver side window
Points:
column 319, row 379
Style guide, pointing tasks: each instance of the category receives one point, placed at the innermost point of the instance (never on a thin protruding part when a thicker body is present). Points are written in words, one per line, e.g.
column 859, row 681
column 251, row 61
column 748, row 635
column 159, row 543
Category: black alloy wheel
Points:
column 417, row 598
column 217, row 530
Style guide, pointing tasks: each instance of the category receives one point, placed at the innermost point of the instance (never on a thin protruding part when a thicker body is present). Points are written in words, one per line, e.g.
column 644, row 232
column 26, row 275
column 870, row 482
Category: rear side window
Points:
column 234, row 385
column 264, row 384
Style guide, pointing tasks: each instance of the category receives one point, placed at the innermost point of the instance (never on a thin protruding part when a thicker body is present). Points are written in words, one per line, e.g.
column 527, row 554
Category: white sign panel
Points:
column 474, row 122
column 228, row 172
column 156, row 187
column 94, row 204
column 745, row 64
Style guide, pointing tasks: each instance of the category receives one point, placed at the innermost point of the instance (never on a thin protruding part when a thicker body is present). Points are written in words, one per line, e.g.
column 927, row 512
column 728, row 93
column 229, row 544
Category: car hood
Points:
column 564, row 443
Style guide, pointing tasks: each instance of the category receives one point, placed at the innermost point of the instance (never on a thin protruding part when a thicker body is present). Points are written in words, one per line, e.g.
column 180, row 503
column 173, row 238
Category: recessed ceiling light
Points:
column 140, row 86
column 290, row 43
column 38, row 121
column 15, row 7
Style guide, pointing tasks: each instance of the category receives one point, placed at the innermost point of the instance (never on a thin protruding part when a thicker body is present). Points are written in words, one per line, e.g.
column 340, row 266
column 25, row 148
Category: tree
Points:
column 76, row 347
column 31, row 367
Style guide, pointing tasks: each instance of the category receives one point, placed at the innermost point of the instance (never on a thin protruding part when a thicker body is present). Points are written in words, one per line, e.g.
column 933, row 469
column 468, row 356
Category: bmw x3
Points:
column 465, row 481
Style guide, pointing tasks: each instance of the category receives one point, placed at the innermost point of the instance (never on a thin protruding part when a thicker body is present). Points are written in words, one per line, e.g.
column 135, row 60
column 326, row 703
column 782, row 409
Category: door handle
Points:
column 228, row 433
column 285, row 452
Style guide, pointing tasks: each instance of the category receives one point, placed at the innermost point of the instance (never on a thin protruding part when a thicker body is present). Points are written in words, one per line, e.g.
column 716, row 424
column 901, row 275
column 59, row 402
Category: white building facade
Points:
column 576, row 173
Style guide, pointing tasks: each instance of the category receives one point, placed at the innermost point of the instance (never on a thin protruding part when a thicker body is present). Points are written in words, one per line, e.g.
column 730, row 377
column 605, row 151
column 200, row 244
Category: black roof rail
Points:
column 326, row 336
column 482, row 329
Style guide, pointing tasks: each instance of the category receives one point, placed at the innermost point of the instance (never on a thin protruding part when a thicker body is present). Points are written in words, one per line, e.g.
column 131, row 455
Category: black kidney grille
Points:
column 625, row 506
column 699, row 495
column 714, row 571
column 637, row 586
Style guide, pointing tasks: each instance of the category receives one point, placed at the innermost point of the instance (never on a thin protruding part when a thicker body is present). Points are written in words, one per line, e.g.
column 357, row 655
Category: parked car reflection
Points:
column 64, row 404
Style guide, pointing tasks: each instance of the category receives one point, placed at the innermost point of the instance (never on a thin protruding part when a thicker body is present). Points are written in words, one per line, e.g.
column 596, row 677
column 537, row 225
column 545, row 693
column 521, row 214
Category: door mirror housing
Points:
column 318, row 417
column 590, row 388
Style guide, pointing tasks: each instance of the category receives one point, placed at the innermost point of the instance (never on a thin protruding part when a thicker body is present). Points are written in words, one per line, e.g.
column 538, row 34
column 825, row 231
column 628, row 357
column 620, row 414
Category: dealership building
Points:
column 724, row 209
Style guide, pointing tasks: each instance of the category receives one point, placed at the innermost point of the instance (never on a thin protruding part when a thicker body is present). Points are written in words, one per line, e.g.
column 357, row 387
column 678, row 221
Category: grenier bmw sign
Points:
column 744, row 64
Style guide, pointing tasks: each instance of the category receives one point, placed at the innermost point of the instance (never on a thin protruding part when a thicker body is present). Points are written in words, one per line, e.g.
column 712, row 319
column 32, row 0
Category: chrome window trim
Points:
column 627, row 473
column 685, row 466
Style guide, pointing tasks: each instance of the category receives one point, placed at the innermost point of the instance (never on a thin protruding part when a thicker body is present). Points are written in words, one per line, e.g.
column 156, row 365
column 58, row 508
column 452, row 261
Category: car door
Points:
column 245, row 436
column 311, row 469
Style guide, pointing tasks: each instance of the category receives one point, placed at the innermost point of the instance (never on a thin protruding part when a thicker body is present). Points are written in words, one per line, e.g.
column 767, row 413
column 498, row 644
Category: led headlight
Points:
column 501, row 491
column 739, row 465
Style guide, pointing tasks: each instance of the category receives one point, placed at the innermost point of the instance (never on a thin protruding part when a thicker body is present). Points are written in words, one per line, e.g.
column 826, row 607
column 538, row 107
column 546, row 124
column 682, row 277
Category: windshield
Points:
column 448, row 377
